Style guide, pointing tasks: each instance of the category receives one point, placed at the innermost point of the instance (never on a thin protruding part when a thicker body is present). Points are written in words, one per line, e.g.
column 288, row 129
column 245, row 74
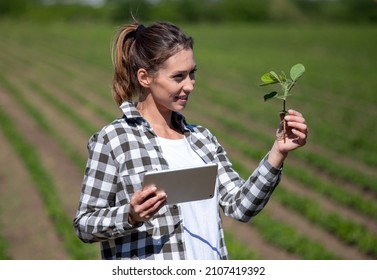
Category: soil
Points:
column 23, row 219
column 31, row 235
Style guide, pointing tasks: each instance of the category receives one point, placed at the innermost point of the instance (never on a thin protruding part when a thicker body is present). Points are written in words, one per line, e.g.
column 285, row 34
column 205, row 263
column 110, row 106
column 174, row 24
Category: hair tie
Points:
column 139, row 30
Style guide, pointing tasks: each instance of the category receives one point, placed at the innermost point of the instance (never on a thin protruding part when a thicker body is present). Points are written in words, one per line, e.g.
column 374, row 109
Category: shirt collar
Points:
column 132, row 114
column 129, row 110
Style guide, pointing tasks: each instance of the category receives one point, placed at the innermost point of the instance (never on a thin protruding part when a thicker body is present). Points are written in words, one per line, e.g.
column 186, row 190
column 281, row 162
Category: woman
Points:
column 155, row 66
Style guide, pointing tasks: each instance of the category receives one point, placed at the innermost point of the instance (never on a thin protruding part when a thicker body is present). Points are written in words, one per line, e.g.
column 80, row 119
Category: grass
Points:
column 42, row 122
column 345, row 229
column 3, row 249
column 238, row 250
column 240, row 54
column 332, row 167
column 336, row 94
column 289, row 239
column 42, row 180
column 336, row 192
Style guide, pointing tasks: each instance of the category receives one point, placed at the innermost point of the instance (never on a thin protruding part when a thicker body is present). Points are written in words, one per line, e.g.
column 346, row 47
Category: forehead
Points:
column 181, row 61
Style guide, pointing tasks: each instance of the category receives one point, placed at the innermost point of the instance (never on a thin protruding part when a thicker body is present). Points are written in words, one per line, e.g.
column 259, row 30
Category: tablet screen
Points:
column 185, row 184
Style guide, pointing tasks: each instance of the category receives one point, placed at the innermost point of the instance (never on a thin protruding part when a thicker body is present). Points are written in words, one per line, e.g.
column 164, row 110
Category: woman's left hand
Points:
column 296, row 132
column 295, row 137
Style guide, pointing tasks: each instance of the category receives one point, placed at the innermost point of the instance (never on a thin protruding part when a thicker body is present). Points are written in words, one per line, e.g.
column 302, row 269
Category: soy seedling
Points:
column 286, row 84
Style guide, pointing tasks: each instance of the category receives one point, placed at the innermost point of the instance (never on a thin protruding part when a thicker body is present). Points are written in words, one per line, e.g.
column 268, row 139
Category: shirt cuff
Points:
column 270, row 173
column 122, row 223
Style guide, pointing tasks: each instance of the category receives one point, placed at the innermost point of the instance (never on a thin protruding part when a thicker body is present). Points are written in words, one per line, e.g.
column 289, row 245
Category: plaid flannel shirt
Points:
column 119, row 156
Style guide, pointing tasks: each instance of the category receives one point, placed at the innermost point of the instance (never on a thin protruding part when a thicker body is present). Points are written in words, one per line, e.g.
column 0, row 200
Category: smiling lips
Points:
column 182, row 99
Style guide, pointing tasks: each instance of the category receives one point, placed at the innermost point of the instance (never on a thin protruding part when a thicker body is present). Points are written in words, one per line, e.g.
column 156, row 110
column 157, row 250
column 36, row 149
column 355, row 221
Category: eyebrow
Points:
column 184, row 71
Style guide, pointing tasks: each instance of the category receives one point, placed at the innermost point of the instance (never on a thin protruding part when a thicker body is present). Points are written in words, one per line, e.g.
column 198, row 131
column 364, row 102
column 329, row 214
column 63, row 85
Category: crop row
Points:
column 65, row 110
column 320, row 162
column 288, row 238
column 223, row 98
column 333, row 168
column 43, row 181
column 3, row 249
column 67, row 65
column 346, row 230
column 338, row 106
column 363, row 239
column 301, row 241
column 234, row 245
column 340, row 195
column 86, row 44
column 40, row 176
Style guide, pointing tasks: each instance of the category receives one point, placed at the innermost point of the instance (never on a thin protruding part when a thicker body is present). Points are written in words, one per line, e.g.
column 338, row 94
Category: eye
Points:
column 178, row 76
column 192, row 73
column 182, row 75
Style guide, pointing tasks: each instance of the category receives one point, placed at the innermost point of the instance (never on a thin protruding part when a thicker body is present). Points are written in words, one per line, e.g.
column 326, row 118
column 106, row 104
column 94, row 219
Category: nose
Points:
column 189, row 84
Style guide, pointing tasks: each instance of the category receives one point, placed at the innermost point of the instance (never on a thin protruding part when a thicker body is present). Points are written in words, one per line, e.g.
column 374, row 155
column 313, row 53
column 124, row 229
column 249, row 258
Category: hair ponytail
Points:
column 122, row 56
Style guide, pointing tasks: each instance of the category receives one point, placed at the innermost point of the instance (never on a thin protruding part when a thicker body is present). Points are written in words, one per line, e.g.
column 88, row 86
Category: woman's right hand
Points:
column 145, row 203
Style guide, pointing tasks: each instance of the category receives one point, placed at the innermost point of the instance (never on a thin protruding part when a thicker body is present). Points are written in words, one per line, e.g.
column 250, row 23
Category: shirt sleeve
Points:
column 97, row 217
column 243, row 199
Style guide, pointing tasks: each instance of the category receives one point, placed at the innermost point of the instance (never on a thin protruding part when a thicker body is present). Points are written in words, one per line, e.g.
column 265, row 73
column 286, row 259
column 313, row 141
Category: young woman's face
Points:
column 174, row 81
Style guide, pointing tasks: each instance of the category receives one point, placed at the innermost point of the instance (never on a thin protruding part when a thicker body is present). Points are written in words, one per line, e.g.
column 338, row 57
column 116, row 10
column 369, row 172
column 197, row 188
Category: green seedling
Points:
column 286, row 84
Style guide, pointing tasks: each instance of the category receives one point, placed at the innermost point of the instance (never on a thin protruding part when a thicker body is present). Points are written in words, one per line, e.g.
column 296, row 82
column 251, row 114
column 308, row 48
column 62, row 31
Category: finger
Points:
column 298, row 125
column 146, row 193
column 294, row 112
column 149, row 189
column 149, row 212
column 139, row 198
column 301, row 135
column 151, row 206
column 150, row 197
column 154, row 198
column 294, row 118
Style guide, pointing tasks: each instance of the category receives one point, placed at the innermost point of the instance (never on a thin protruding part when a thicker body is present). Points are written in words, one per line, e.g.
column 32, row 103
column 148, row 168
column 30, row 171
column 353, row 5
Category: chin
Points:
column 180, row 108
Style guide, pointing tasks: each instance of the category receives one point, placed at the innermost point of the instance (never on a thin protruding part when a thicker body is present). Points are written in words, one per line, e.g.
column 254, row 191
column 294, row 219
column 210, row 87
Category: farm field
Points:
column 55, row 92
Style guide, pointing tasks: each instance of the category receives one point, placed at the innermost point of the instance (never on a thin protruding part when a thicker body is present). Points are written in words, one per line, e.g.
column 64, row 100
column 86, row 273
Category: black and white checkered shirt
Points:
column 119, row 156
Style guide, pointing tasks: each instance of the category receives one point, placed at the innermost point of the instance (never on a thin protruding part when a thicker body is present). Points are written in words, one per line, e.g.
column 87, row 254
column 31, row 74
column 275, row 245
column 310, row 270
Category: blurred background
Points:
column 55, row 92
column 193, row 10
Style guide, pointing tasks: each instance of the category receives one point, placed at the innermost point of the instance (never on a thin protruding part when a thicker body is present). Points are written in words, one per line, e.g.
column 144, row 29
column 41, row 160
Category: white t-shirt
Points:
column 200, row 218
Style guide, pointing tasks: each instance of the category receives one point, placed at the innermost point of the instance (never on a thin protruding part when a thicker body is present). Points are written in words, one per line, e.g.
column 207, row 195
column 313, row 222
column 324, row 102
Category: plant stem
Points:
column 282, row 115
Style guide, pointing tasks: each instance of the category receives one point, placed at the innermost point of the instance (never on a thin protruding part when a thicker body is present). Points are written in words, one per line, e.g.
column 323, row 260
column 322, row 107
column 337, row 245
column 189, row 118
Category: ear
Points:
column 143, row 77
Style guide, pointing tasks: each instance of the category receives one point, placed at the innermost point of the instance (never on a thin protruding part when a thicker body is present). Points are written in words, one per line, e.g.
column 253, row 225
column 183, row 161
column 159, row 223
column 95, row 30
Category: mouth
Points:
column 182, row 98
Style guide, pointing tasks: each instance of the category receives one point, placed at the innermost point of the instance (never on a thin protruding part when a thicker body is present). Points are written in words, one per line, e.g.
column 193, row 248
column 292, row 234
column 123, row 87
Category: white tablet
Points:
column 185, row 184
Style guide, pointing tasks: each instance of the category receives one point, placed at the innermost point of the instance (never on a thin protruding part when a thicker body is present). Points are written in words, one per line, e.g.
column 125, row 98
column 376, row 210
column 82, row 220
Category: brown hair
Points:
column 135, row 47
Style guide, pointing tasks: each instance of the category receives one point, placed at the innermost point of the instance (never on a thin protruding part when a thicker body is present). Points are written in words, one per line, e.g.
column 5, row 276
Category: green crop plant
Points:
column 286, row 84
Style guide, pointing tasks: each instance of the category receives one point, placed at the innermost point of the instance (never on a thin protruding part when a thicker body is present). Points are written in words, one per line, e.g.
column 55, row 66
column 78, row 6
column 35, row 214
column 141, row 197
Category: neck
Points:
column 160, row 121
column 154, row 115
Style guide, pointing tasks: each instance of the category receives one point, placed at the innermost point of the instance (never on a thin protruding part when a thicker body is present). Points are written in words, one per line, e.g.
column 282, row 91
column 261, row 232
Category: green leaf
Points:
column 274, row 76
column 282, row 76
column 268, row 79
column 270, row 95
column 297, row 71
